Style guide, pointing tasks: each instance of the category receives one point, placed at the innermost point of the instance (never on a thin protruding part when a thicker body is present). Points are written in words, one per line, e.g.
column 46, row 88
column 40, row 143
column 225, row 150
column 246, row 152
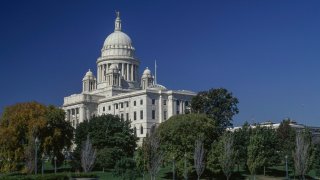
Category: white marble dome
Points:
column 119, row 39
column 118, row 43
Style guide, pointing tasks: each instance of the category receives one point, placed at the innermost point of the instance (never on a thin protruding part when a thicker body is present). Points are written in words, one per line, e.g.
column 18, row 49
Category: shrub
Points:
column 126, row 168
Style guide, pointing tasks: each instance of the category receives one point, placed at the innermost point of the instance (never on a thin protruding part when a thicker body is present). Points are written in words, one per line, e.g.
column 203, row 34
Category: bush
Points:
column 36, row 177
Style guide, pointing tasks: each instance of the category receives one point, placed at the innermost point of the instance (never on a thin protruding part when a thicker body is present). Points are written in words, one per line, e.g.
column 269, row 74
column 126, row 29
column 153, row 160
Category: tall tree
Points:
column 218, row 104
column 286, row 137
column 228, row 154
column 302, row 154
column 88, row 155
column 111, row 136
column 241, row 143
column 178, row 134
column 153, row 154
column 256, row 152
column 199, row 164
column 20, row 124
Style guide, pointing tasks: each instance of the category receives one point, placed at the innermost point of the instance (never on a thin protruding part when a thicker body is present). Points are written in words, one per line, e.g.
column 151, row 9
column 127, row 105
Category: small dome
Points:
column 89, row 73
column 146, row 73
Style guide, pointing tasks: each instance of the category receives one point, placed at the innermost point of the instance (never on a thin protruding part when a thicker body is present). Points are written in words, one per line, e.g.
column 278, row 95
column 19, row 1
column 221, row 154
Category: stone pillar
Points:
column 132, row 72
column 160, row 112
column 127, row 71
column 170, row 107
column 122, row 70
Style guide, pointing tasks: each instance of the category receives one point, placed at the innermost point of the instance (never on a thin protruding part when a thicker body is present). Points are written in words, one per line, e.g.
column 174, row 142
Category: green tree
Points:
column 316, row 162
column 286, row 137
column 178, row 134
column 58, row 135
column 241, row 143
column 20, row 124
column 111, row 136
column 219, row 104
column 261, row 149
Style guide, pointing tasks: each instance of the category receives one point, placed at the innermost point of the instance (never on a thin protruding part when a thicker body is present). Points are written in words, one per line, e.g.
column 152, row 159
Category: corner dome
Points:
column 147, row 71
column 89, row 75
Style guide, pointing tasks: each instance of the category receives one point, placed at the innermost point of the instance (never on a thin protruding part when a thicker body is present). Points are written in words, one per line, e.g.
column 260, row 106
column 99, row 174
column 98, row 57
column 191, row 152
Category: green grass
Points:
column 273, row 173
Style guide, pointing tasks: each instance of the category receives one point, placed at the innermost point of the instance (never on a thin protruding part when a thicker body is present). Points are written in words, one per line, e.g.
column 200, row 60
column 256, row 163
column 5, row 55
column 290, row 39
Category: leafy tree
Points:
column 261, row 149
column 58, row 135
column 241, row 143
column 178, row 134
column 111, row 136
column 218, row 104
column 286, row 141
column 20, row 124
column 316, row 163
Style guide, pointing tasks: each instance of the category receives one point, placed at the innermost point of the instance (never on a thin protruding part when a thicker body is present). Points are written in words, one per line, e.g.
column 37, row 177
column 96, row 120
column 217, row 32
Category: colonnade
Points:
column 128, row 71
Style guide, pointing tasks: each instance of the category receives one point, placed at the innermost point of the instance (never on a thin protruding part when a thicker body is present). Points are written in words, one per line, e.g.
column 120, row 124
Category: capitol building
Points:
column 119, row 89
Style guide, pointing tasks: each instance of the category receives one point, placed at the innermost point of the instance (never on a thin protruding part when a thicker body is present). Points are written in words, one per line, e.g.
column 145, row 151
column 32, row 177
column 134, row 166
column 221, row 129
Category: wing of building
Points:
column 119, row 90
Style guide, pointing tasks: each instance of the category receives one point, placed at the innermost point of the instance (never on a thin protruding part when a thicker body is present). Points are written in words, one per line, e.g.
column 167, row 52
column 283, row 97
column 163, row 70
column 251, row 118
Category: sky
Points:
column 265, row 52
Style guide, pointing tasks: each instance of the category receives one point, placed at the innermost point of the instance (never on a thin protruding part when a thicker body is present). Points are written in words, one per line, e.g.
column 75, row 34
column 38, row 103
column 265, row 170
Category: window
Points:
column 165, row 115
column 186, row 103
column 121, row 105
column 141, row 114
column 127, row 104
column 164, row 102
column 153, row 101
column 127, row 116
column 116, row 106
column 141, row 130
column 153, row 114
column 121, row 116
column 109, row 108
column 134, row 103
column 77, row 110
column 104, row 108
column 134, row 115
column 72, row 112
column 178, row 102
column 141, row 102
column 135, row 130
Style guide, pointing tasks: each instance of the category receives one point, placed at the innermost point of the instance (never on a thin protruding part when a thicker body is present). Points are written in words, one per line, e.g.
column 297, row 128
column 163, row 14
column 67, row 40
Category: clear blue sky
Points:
column 266, row 52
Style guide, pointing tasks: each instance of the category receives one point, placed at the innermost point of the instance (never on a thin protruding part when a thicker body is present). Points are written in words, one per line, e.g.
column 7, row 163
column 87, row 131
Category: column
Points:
column 122, row 70
column 128, row 72
column 160, row 112
column 170, row 107
column 132, row 72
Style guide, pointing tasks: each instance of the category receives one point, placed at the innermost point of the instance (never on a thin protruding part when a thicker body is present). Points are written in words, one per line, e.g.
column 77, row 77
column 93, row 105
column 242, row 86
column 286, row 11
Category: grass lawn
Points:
column 274, row 173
